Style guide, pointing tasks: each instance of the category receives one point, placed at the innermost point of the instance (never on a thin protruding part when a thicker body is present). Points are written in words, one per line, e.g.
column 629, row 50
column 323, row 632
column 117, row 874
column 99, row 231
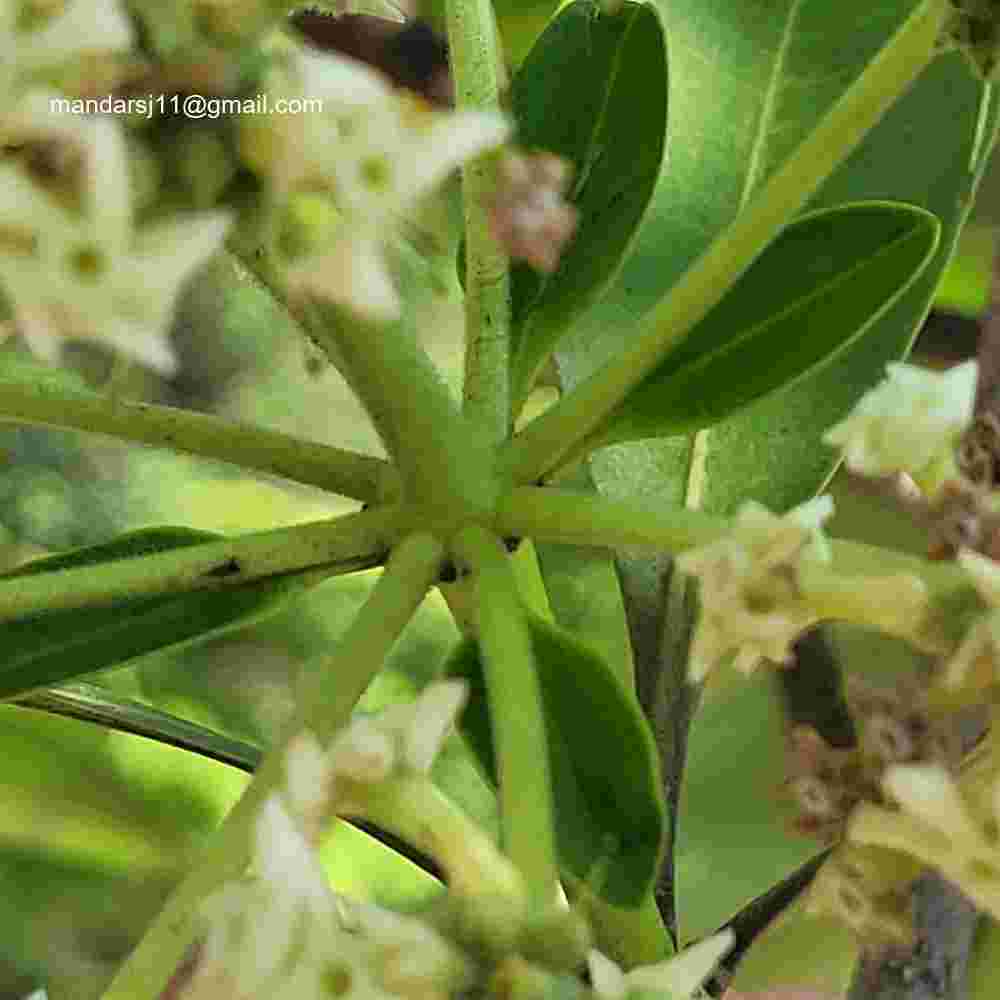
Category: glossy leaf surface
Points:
column 605, row 779
column 732, row 841
column 822, row 284
column 593, row 90
column 51, row 647
column 773, row 69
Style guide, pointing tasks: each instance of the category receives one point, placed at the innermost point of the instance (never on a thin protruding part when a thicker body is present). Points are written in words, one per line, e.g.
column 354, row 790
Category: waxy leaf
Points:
column 53, row 646
column 593, row 90
column 825, row 281
column 749, row 80
column 733, row 839
column 605, row 778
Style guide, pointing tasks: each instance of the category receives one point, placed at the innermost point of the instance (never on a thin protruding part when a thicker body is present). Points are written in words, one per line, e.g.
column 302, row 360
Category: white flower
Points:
column 88, row 273
column 749, row 599
column 678, row 977
column 911, row 422
column 982, row 642
column 401, row 739
column 284, row 935
column 409, row 958
column 307, row 776
column 406, row 737
column 376, row 151
column 279, row 936
column 938, row 825
column 85, row 28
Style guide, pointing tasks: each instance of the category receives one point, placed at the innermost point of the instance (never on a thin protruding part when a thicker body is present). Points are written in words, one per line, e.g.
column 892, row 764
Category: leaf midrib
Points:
column 694, row 487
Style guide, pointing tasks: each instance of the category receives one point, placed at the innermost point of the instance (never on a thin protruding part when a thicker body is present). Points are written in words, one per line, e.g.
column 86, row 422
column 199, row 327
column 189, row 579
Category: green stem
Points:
column 472, row 44
column 359, row 655
column 551, row 515
column 630, row 937
column 340, row 545
column 331, row 689
column 516, row 716
column 351, row 474
column 445, row 466
column 544, row 444
column 416, row 810
column 569, row 518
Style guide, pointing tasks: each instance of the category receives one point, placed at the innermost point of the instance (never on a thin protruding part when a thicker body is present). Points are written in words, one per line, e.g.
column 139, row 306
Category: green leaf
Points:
column 749, row 80
column 54, row 646
column 786, row 63
column 90, row 703
column 605, row 778
column 732, row 843
column 822, row 284
column 593, row 90
column 585, row 597
column 84, row 792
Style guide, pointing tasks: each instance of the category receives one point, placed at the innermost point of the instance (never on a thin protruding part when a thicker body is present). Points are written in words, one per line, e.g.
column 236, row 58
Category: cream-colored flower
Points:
column 981, row 644
column 307, row 776
column 940, row 827
column 408, row 957
column 750, row 603
column 284, row 934
column 865, row 888
column 678, row 978
column 84, row 271
column 403, row 737
column 84, row 28
column 376, row 151
column 279, row 935
column 911, row 422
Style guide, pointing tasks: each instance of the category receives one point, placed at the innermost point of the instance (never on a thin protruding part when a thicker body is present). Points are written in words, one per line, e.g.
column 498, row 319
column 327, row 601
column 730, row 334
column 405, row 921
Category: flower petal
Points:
column 434, row 717
column 928, row 792
column 682, row 975
column 607, row 979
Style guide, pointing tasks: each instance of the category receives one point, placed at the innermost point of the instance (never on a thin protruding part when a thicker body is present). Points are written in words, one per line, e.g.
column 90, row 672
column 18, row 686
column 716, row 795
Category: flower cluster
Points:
column 911, row 423
column 864, row 888
column 974, row 662
column 893, row 726
column 338, row 171
column 750, row 602
column 940, row 823
column 283, row 933
column 36, row 43
column 369, row 153
column 404, row 738
column 72, row 260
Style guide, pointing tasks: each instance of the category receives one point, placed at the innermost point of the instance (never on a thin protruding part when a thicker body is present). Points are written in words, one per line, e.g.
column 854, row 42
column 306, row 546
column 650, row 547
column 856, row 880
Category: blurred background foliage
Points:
column 95, row 826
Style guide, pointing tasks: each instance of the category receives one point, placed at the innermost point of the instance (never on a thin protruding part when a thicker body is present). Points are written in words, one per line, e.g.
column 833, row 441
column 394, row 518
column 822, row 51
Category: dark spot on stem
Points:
column 230, row 567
